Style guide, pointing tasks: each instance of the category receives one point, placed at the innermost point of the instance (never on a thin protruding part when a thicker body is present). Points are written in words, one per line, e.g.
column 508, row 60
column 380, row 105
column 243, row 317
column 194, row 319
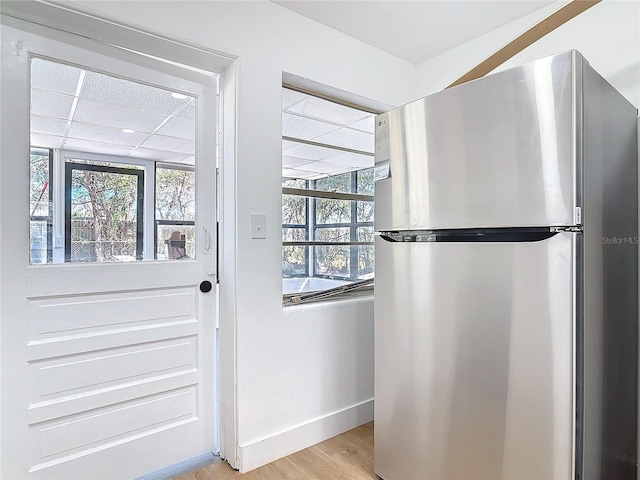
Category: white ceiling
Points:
column 414, row 30
column 86, row 111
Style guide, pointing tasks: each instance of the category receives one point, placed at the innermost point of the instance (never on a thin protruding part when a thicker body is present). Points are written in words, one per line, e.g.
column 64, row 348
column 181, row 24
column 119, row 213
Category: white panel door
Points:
column 107, row 368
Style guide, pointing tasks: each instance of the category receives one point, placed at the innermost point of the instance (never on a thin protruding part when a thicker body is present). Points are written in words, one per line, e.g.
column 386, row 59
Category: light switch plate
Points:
column 258, row 225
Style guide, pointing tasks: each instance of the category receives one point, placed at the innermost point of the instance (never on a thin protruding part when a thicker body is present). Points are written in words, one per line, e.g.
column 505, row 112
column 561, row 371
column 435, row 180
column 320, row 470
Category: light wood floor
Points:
column 346, row 457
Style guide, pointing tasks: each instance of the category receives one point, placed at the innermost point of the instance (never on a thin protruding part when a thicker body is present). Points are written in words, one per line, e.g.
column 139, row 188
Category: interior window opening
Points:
column 327, row 194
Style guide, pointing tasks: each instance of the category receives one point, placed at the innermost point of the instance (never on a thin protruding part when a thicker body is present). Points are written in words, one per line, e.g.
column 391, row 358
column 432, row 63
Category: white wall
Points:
column 303, row 373
column 607, row 34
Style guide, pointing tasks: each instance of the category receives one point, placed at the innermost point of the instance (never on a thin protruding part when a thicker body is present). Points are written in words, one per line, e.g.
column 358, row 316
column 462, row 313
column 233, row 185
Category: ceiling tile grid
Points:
column 100, row 133
column 90, row 111
column 312, row 119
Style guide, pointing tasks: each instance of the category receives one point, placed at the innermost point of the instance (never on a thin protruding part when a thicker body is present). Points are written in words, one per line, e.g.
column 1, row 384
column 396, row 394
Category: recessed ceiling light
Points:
column 128, row 130
column 179, row 96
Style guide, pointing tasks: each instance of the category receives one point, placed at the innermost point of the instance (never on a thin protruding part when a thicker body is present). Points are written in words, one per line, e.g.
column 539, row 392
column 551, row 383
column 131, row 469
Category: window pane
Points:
column 332, row 260
column 294, row 261
column 333, row 211
column 364, row 211
column 39, row 184
column 365, row 234
column 365, row 252
column 294, row 210
column 38, row 241
column 103, row 216
column 294, row 183
column 40, row 206
column 121, row 141
column 175, row 242
column 365, row 261
column 338, row 234
column 335, row 183
column 365, row 182
column 175, row 194
column 294, row 234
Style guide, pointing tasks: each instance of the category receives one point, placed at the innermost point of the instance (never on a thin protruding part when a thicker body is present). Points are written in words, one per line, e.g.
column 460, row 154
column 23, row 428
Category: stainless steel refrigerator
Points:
column 506, row 296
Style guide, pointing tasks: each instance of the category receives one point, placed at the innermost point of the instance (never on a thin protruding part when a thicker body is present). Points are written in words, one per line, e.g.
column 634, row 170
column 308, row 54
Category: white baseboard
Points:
column 266, row 450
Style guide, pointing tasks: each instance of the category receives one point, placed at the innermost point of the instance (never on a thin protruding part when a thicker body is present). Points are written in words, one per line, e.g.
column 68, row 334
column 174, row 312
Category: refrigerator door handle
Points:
column 478, row 235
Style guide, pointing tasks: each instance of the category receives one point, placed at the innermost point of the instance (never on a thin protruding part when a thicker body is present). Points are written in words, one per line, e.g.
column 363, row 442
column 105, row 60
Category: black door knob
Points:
column 206, row 286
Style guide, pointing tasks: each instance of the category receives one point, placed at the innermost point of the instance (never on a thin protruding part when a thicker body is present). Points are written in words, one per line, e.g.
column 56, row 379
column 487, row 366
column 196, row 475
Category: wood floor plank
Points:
column 353, row 458
column 345, row 457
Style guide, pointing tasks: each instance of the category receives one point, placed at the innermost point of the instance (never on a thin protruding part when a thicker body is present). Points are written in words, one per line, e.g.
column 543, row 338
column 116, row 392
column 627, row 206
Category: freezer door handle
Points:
column 524, row 234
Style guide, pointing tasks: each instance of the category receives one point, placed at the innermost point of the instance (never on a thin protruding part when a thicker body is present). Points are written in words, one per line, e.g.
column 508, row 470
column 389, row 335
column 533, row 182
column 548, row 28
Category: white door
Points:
column 107, row 366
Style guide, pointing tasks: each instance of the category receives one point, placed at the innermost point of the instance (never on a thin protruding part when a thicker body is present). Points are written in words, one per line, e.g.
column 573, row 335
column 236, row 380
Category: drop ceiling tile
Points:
column 125, row 93
column 95, row 147
column 294, row 173
column 293, row 162
column 54, row 77
column 318, row 176
column 304, row 128
column 327, row 111
column 289, row 97
column 288, row 144
column 349, row 138
column 50, row 104
column 160, row 155
column 172, row 144
column 48, row 125
column 311, row 152
column 98, row 133
column 188, row 112
column 45, row 141
column 323, row 167
column 179, row 127
column 354, row 160
column 366, row 124
column 118, row 117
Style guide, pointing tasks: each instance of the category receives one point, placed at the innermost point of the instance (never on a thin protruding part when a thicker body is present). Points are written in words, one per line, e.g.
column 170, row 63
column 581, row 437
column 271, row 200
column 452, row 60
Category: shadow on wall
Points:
column 627, row 78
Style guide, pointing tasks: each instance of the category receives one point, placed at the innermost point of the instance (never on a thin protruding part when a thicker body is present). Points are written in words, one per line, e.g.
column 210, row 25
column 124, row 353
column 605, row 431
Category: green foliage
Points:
column 175, row 194
column 334, row 183
column 105, row 208
column 294, row 210
column 365, row 184
column 39, row 173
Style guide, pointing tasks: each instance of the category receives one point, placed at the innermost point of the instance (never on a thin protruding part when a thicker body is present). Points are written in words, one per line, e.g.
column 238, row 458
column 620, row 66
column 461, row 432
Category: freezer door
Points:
column 474, row 360
column 501, row 151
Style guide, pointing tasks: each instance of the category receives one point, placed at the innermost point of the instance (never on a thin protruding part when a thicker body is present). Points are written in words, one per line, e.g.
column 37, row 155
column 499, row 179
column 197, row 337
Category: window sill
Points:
column 362, row 296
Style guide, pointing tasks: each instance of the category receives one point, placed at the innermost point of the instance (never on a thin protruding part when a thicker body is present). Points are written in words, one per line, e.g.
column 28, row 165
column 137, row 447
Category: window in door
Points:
column 113, row 175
